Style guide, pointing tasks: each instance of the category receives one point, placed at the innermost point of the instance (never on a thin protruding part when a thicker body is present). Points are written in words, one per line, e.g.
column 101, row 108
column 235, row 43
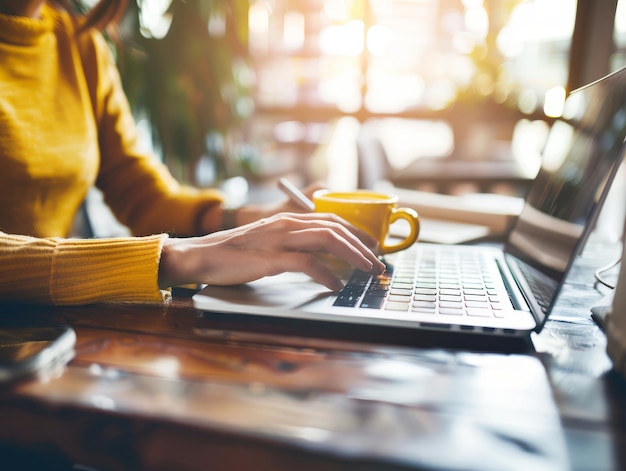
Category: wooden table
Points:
column 162, row 387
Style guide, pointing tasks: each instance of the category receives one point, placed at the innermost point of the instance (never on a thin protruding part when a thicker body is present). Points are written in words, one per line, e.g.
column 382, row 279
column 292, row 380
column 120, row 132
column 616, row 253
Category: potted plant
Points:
column 185, row 68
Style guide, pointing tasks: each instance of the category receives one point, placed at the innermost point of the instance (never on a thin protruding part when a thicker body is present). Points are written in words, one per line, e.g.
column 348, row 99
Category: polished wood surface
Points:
column 163, row 387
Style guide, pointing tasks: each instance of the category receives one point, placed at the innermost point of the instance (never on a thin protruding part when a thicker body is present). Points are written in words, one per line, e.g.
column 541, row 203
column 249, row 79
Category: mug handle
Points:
column 413, row 219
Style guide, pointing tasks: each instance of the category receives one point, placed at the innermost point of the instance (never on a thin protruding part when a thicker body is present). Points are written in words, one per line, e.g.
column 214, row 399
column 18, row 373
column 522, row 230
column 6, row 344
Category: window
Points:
column 382, row 57
column 618, row 59
column 466, row 76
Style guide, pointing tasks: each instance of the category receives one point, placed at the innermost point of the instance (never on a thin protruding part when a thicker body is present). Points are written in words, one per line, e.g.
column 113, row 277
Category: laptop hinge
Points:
column 519, row 300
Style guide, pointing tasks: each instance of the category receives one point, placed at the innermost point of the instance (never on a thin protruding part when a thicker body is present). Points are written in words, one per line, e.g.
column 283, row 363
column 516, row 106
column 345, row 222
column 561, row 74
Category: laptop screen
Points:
column 581, row 156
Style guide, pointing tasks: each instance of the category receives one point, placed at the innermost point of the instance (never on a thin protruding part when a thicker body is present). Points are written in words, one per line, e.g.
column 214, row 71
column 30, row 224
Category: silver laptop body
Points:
column 582, row 155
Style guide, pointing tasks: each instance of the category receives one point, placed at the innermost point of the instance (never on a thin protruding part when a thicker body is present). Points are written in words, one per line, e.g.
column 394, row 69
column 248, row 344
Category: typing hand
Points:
column 286, row 242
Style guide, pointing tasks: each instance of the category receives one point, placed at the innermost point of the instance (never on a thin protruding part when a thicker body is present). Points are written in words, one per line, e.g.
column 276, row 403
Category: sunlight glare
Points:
column 527, row 101
column 463, row 42
column 550, row 19
column 167, row 367
column 394, row 93
column 293, row 33
column 620, row 18
column 259, row 17
column 346, row 39
column 154, row 18
column 342, row 91
column 259, row 26
column 336, row 10
column 378, row 39
column 554, row 102
column 557, row 146
column 477, row 21
column 510, row 42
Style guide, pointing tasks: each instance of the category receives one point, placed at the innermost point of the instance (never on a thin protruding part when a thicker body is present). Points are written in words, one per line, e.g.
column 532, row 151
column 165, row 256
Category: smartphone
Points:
column 29, row 349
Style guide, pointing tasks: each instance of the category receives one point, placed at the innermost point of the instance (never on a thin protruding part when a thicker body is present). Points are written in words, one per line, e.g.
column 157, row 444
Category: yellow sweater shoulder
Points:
column 65, row 124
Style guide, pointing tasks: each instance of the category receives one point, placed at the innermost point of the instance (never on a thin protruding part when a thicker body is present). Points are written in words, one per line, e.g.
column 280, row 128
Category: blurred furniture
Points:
column 488, row 167
column 479, row 67
column 160, row 387
column 364, row 155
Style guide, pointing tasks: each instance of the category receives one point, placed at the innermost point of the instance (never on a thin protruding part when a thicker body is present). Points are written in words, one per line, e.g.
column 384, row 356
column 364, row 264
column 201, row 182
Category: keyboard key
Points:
column 451, row 311
column 423, row 310
column 346, row 300
column 470, row 285
column 396, row 306
column 401, row 292
column 450, row 286
column 478, row 312
column 478, row 304
column 424, row 304
column 473, row 292
column 421, row 284
column 451, row 304
column 378, row 288
column 372, row 302
column 375, row 294
column 408, row 286
column 425, row 291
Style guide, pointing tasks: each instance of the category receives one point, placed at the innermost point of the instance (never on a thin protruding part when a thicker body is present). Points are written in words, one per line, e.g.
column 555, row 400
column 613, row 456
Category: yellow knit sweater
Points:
column 65, row 125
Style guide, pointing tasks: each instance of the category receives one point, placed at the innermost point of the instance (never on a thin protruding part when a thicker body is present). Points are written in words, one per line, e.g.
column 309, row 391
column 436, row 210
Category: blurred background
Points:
column 449, row 96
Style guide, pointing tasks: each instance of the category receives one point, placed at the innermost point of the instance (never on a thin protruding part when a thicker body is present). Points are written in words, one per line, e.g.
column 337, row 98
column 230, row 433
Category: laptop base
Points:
column 247, row 326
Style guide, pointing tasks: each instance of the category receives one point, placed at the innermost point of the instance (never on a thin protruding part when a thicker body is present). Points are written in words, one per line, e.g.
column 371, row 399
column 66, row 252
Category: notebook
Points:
column 508, row 290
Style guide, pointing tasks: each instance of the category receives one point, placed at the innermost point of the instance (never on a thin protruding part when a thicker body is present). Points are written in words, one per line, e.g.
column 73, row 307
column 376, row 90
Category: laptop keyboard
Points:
column 438, row 280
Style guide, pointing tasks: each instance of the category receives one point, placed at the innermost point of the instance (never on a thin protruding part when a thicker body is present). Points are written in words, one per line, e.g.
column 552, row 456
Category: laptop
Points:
column 504, row 291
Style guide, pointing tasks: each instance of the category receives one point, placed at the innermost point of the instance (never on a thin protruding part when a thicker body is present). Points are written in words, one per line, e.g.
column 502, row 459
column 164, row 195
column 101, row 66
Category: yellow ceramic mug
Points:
column 371, row 211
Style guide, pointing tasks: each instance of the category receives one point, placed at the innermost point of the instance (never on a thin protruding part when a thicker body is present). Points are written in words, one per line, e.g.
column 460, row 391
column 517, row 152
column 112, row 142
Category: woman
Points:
column 65, row 124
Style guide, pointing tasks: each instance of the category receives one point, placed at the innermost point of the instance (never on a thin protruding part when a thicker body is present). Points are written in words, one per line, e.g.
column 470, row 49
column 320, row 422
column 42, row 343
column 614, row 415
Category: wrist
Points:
column 249, row 213
column 177, row 265
column 240, row 215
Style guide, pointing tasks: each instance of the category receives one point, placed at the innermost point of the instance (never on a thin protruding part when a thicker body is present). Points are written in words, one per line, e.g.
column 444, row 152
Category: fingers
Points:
column 319, row 233
column 328, row 241
column 281, row 243
column 314, row 218
column 310, row 265
column 335, row 235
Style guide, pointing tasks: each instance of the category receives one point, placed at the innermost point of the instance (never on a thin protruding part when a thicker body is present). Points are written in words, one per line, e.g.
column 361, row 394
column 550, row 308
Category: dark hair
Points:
column 105, row 14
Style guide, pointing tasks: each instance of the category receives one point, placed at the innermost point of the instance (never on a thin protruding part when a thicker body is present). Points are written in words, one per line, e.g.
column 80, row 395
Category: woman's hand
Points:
column 286, row 242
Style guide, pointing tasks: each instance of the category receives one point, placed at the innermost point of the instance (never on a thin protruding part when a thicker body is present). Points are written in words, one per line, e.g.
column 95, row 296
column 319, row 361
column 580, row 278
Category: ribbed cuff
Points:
column 107, row 270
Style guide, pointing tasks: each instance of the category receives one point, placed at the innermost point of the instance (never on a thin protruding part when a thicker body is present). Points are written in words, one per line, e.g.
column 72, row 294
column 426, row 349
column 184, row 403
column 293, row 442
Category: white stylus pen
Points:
column 296, row 195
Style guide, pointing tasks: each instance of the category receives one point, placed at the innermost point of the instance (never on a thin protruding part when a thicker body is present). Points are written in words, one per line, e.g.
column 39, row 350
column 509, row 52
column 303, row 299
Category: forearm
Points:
column 79, row 271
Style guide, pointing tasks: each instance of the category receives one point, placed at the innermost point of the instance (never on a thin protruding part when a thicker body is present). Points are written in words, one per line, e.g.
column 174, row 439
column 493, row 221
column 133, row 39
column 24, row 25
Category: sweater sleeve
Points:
column 80, row 271
column 136, row 185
